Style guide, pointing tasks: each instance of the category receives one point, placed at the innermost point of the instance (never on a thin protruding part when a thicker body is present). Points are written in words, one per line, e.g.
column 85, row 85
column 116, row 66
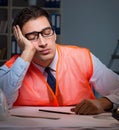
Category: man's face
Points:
column 39, row 32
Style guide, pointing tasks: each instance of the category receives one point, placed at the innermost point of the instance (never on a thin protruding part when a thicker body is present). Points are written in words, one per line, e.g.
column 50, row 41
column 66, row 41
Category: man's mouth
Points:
column 45, row 52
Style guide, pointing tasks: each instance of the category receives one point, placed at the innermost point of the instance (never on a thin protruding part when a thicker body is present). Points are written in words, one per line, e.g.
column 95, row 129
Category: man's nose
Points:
column 41, row 40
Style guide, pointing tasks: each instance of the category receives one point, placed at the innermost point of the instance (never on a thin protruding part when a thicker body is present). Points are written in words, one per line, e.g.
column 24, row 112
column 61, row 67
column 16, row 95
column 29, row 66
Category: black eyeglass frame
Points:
column 36, row 34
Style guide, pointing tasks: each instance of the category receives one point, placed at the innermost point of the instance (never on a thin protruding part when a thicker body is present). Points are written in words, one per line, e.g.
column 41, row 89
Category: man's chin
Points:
column 43, row 60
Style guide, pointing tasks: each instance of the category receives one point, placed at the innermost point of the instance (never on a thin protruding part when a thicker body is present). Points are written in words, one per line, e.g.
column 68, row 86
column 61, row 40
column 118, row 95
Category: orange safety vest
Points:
column 73, row 72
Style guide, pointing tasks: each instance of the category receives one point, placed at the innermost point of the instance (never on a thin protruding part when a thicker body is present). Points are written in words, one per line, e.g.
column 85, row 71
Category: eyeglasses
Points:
column 47, row 32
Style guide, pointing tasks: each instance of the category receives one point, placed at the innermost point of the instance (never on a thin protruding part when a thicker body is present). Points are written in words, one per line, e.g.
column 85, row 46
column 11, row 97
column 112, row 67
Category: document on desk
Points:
column 33, row 118
column 39, row 112
column 53, row 113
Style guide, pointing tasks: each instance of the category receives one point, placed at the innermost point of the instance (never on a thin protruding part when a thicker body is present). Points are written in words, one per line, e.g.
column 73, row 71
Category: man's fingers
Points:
column 79, row 108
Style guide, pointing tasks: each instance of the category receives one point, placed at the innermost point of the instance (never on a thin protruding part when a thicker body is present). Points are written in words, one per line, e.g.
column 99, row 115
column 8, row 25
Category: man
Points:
column 24, row 80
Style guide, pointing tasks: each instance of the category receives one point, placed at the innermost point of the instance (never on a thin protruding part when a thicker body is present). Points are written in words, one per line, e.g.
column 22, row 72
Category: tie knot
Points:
column 47, row 69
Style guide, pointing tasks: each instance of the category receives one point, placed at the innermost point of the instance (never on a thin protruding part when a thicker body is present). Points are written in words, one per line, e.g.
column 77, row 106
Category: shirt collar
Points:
column 54, row 62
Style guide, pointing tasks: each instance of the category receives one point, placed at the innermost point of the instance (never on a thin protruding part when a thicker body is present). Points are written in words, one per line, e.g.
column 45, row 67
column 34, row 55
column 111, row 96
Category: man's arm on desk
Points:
column 90, row 106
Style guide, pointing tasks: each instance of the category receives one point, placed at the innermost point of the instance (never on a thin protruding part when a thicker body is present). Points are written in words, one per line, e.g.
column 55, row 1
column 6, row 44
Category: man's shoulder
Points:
column 72, row 47
column 11, row 60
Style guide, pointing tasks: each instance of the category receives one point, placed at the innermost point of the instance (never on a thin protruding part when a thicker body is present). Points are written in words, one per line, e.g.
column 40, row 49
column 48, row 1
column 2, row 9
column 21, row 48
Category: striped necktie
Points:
column 51, row 79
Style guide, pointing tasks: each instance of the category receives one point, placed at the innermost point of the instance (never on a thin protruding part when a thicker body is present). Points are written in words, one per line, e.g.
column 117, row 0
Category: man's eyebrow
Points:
column 46, row 28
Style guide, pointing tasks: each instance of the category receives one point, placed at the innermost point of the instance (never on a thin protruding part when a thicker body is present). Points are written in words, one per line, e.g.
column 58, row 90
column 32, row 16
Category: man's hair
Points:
column 31, row 12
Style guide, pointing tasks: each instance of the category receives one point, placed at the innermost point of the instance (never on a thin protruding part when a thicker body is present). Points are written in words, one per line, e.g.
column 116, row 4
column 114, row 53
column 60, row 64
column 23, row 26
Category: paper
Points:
column 64, row 120
column 34, row 112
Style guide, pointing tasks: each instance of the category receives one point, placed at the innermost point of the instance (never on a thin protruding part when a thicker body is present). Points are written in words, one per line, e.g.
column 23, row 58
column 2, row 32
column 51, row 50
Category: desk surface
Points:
column 30, row 118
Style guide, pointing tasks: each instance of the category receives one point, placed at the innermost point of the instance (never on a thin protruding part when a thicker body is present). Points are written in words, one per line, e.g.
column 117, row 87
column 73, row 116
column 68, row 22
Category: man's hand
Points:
column 90, row 106
column 28, row 48
column 21, row 40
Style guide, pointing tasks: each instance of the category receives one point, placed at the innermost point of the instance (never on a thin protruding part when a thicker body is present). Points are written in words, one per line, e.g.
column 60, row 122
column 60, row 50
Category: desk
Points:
column 52, row 121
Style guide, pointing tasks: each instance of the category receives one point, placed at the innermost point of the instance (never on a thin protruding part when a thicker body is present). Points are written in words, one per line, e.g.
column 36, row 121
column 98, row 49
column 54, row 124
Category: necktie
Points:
column 51, row 79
